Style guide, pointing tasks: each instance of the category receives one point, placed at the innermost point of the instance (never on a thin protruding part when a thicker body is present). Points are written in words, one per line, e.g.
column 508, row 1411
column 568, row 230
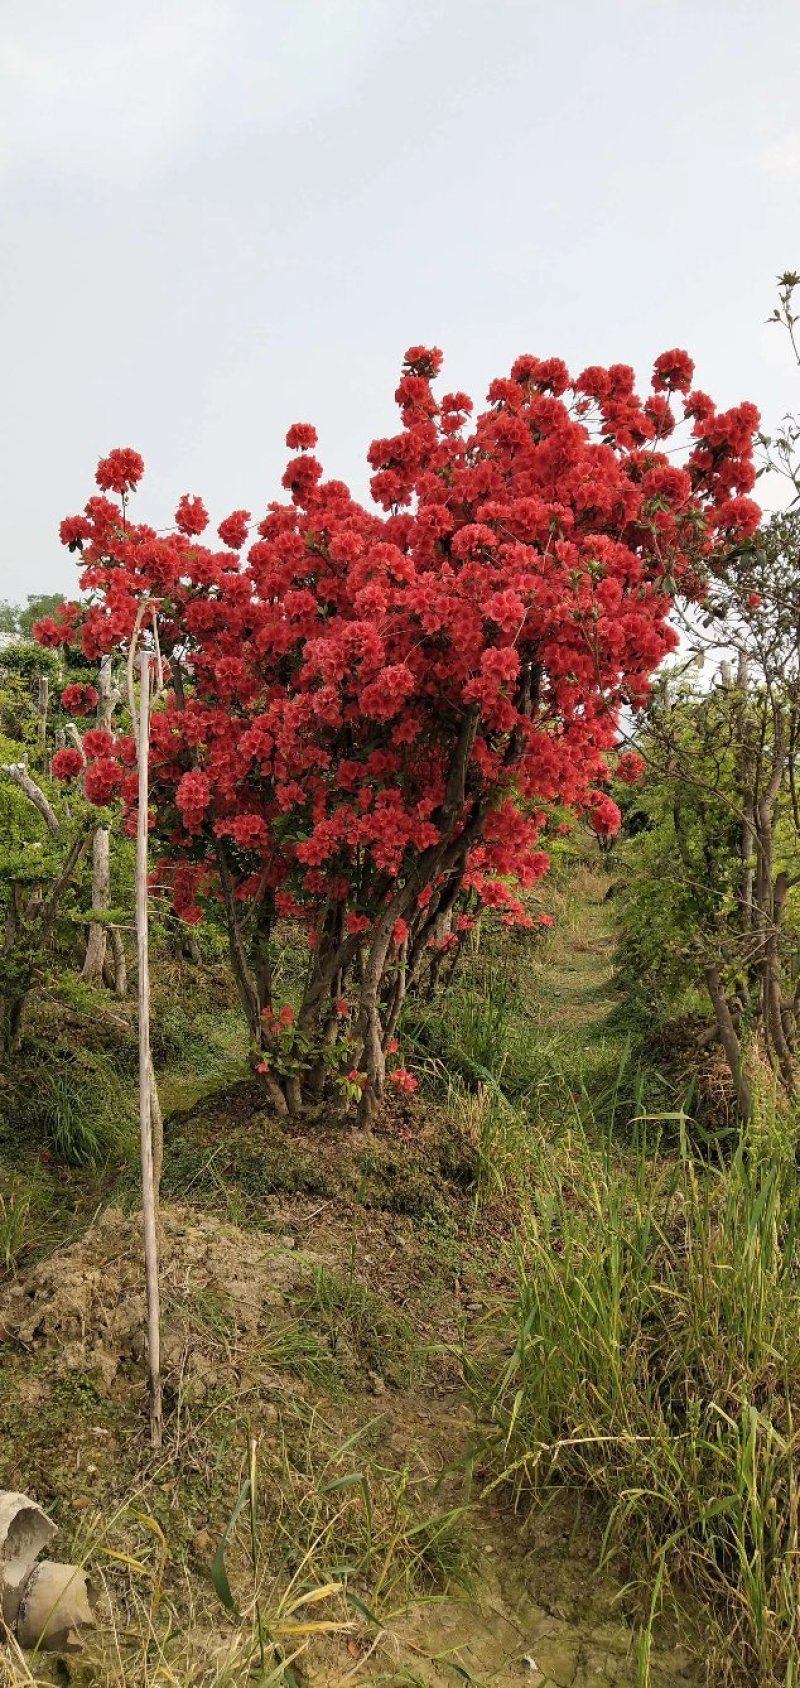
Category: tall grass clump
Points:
column 654, row 1362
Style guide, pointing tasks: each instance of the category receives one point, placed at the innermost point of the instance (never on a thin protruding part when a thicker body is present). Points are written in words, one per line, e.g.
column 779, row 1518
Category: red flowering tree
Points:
column 370, row 713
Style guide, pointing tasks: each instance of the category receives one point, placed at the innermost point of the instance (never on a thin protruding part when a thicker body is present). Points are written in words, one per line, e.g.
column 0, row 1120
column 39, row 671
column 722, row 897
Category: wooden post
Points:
column 97, row 939
column 145, row 1069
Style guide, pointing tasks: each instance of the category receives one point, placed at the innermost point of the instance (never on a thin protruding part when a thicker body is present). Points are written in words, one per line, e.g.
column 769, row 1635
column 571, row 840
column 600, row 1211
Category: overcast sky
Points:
column 222, row 216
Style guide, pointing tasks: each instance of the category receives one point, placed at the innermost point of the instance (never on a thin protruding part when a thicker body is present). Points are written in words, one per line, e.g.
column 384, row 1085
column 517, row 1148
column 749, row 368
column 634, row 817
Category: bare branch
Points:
column 18, row 772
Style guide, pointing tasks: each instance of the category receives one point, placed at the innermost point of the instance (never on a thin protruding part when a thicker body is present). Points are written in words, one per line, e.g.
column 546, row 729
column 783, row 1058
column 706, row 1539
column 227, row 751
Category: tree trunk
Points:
column 746, row 771
column 730, row 1043
column 92, row 970
column 120, row 963
column 246, row 983
column 157, row 1128
column 773, row 986
column 96, row 942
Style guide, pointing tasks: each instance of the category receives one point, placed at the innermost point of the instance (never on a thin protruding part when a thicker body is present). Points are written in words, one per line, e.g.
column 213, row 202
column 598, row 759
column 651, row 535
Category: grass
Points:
column 16, row 1227
column 355, row 1321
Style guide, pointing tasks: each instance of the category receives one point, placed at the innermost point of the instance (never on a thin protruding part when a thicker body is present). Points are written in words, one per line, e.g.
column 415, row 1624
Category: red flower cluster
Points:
column 191, row 516
column 79, row 700
column 121, row 471
column 604, row 816
column 66, row 764
column 630, row 767
column 403, row 1080
column 102, row 780
column 97, row 742
column 377, row 705
column 234, row 530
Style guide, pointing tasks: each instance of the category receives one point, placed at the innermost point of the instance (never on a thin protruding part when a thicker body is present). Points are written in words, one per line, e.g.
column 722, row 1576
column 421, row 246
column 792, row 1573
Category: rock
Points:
column 287, row 1242
column 24, row 1531
column 54, row 1608
column 376, row 1383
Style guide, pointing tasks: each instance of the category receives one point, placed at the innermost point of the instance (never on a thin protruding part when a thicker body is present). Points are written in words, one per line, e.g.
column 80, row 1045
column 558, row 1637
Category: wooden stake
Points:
column 149, row 1200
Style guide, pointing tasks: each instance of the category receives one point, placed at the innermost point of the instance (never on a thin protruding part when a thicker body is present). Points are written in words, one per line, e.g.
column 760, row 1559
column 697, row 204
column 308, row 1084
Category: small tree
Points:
column 371, row 717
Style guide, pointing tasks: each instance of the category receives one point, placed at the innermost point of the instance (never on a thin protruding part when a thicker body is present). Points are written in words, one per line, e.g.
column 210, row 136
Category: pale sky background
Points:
column 222, row 216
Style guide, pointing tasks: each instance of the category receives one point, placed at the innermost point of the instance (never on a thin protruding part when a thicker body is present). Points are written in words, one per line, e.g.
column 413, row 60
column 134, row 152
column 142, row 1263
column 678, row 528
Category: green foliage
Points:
column 30, row 663
column 681, row 870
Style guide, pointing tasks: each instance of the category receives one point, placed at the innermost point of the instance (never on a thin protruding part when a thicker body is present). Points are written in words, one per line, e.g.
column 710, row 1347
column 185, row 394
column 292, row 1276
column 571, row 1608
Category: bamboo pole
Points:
column 145, row 1070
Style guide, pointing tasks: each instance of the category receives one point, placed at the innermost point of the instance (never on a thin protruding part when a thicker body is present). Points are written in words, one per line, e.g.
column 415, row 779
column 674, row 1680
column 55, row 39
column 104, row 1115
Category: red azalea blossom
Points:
column 301, row 437
column 121, row 471
column 191, row 516
column 79, row 700
column 604, row 816
column 74, row 530
column 234, row 529
column 403, row 1080
column 546, row 920
column 673, row 371
column 103, row 780
column 630, row 767
column 66, row 764
column 97, row 742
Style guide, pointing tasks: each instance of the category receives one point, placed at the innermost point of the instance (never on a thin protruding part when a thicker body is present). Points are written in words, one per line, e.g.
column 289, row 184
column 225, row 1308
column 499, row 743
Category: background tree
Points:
column 712, row 897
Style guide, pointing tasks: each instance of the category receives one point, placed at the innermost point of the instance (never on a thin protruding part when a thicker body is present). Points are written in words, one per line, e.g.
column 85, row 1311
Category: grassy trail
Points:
column 574, row 983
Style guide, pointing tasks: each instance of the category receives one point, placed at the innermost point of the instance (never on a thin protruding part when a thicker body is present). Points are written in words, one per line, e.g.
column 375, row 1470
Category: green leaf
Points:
column 363, row 1611
column 219, row 1574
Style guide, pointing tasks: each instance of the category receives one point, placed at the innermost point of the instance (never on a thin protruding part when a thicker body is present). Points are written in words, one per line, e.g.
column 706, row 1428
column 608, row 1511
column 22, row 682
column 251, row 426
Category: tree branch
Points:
column 18, row 772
